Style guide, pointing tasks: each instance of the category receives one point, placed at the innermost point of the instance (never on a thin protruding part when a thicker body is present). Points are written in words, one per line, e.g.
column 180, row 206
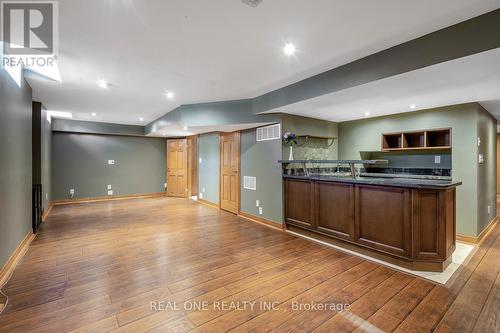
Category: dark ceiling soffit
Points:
column 476, row 35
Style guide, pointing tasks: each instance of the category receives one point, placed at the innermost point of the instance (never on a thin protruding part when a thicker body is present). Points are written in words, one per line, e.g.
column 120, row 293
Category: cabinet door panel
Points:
column 299, row 203
column 335, row 209
column 383, row 219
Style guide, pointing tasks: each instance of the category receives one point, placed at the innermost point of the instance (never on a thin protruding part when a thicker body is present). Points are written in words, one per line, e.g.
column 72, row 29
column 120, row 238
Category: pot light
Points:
column 94, row 114
column 103, row 84
column 185, row 128
column 413, row 106
column 367, row 113
column 141, row 119
column 289, row 49
column 170, row 95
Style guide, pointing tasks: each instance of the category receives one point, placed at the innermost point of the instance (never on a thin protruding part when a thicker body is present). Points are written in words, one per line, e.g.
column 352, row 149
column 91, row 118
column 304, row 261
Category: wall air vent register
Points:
column 271, row 132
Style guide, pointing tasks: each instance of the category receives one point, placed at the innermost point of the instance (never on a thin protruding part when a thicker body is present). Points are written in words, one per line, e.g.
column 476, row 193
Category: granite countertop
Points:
column 394, row 182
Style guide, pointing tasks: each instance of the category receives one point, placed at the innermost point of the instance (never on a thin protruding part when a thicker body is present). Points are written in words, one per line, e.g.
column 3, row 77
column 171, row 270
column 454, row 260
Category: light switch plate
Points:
column 110, row 192
column 110, row 187
column 260, row 210
column 72, row 191
column 111, row 162
column 201, row 195
column 481, row 158
column 257, row 203
column 437, row 159
column 201, row 160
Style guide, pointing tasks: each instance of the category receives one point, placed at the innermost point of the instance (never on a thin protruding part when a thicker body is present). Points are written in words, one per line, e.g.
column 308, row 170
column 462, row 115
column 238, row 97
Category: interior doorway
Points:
column 177, row 168
column 230, row 172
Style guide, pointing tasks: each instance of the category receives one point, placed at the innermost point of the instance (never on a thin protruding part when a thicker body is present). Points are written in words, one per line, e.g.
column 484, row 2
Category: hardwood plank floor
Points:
column 173, row 265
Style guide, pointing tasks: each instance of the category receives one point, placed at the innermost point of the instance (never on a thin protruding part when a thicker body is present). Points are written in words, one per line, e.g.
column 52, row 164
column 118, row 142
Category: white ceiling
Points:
column 218, row 50
column 470, row 79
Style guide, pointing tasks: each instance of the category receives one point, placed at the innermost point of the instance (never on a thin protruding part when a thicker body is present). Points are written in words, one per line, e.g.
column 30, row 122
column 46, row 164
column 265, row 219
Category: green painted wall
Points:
column 260, row 160
column 412, row 159
column 15, row 164
column 318, row 146
column 365, row 135
column 80, row 161
column 486, row 177
column 209, row 168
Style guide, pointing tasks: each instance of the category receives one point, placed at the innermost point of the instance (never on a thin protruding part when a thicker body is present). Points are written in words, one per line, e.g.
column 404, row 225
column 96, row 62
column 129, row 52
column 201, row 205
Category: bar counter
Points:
column 407, row 222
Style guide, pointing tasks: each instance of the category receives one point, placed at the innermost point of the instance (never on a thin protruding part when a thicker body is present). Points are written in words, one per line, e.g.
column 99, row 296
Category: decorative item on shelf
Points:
column 290, row 139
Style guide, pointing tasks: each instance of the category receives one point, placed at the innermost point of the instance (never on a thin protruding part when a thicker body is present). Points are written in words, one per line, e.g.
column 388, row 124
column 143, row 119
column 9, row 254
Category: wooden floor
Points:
column 98, row 267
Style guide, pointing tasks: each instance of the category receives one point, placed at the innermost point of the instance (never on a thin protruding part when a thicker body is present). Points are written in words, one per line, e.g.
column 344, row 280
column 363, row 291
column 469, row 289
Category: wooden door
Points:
column 177, row 168
column 193, row 157
column 230, row 172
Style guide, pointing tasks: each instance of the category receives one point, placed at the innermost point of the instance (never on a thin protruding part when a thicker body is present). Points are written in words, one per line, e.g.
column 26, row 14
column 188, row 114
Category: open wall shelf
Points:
column 417, row 140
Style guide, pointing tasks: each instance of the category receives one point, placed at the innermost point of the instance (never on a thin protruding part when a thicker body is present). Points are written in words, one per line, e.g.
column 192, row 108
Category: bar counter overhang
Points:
column 407, row 222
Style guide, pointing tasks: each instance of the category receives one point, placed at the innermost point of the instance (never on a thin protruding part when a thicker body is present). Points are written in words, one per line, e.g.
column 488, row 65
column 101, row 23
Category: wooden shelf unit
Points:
column 417, row 140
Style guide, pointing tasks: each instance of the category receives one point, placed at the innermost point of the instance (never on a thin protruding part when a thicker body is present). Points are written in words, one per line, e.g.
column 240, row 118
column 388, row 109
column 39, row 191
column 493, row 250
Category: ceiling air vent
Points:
column 272, row 132
column 250, row 183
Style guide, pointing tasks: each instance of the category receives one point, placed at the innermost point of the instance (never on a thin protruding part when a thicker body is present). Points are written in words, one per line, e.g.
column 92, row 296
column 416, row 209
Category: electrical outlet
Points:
column 481, row 158
column 46, row 196
column 110, row 187
column 260, row 210
column 111, row 162
column 437, row 159
column 489, row 209
column 478, row 141
column 257, row 203
column 165, row 185
column 201, row 160
column 200, row 195
column 203, row 190
column 110, row 192
column 72, row 191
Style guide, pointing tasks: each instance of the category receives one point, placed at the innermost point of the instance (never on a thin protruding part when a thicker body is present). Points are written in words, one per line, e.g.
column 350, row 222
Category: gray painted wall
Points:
column 41, row 140
column 15, row 164
column 209, row 168
column 46, row 165
column 486, row 176
column 365, row 135
column 260, row 160
column 80, row 161
column 93, row 127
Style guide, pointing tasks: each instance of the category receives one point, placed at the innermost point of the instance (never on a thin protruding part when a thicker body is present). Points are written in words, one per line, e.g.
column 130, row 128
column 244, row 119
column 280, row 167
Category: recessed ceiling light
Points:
column 94, row 114
column 185, row 128
column 141, row 119
column 413, row 106
column 103, row 84
column 367, row 113
column 289, row 49
column 170, row 95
